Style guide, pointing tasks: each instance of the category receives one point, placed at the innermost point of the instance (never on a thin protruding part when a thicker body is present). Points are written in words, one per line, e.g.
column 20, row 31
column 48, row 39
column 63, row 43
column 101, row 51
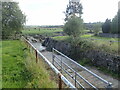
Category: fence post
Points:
column 36, row 56
column 75, row 78
column 60, row 82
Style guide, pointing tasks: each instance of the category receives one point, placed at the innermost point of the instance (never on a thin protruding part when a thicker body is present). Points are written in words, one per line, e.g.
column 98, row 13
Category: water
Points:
column 39, row 46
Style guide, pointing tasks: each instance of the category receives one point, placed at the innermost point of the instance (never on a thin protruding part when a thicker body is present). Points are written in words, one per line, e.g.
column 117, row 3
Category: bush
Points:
column 73, row 27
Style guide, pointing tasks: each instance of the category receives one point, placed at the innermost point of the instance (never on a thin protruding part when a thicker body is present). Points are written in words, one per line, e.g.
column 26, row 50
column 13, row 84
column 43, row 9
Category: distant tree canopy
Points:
column 12, row 19
column 112, row 26
column 106, row 27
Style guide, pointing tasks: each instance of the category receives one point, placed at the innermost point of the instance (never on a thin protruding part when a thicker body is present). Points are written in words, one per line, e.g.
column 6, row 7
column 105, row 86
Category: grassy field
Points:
column 19, row 69
column 46, row 32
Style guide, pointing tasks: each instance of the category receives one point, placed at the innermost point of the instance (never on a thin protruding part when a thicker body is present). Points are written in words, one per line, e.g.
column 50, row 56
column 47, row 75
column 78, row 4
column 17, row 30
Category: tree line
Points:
column 112, row 26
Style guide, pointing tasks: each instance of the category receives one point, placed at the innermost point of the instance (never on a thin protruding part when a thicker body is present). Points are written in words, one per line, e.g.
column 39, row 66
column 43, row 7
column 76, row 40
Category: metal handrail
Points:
column 75, row 72
column 68, row 72
column 69, row 84
column 106, row 82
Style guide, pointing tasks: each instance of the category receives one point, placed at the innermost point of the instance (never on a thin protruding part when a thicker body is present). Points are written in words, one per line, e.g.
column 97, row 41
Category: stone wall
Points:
column 59, row 45
column 98, row 58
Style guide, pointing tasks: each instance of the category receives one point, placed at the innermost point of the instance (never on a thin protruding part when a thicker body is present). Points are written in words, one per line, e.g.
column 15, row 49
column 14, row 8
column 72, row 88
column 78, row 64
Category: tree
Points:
column 97, row 28
column 119, row 20
column 114, row 25
column 106, row 27
column 73, row 27
column 72, row 9
column 12, row 19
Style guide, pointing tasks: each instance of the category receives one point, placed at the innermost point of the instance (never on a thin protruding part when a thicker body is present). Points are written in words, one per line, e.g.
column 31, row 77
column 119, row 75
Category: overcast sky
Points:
column 50, row 12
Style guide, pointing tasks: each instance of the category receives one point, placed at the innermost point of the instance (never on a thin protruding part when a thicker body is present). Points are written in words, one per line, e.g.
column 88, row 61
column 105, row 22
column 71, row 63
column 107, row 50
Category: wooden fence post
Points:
column 36, row 56
column 60, row 82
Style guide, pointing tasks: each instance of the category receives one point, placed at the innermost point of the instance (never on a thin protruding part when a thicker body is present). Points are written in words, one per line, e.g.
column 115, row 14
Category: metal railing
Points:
column 60, row 62
column 60, row 76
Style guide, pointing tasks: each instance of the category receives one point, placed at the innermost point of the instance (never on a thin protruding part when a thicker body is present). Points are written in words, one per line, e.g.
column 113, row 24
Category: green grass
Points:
column 19, row 69
column 13, row 65
column 104, row 43
column 61, row 38
column 46, row 32
column 91, row 36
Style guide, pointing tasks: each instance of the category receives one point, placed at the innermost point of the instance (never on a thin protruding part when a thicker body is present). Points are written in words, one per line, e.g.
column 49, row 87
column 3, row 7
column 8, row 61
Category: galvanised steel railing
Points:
column 60, row 76
column 108, row 84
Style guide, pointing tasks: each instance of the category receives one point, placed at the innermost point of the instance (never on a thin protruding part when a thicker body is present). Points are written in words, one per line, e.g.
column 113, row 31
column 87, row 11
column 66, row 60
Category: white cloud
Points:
column 99, row 10
column 50, row 12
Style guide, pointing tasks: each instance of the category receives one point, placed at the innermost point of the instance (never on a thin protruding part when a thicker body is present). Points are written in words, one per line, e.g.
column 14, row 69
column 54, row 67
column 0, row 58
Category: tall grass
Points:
column 41, row 76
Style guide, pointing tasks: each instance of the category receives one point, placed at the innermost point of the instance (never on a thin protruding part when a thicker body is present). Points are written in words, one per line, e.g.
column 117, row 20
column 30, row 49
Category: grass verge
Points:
column 19, row 69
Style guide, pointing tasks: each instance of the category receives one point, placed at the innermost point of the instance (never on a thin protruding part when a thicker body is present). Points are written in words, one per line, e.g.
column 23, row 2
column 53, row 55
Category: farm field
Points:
column 19, row 69
column 46, row 32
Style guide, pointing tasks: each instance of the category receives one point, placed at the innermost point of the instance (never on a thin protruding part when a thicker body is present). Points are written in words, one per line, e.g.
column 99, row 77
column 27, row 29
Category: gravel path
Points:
column 86, row 75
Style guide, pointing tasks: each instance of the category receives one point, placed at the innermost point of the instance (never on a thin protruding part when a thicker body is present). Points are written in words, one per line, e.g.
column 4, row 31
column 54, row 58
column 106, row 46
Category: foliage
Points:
column 97, row 28
column 105, row 44
column 72, row 9
column 106, row 27
column 73, row 27
column 114, row 25
column 12, row 19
